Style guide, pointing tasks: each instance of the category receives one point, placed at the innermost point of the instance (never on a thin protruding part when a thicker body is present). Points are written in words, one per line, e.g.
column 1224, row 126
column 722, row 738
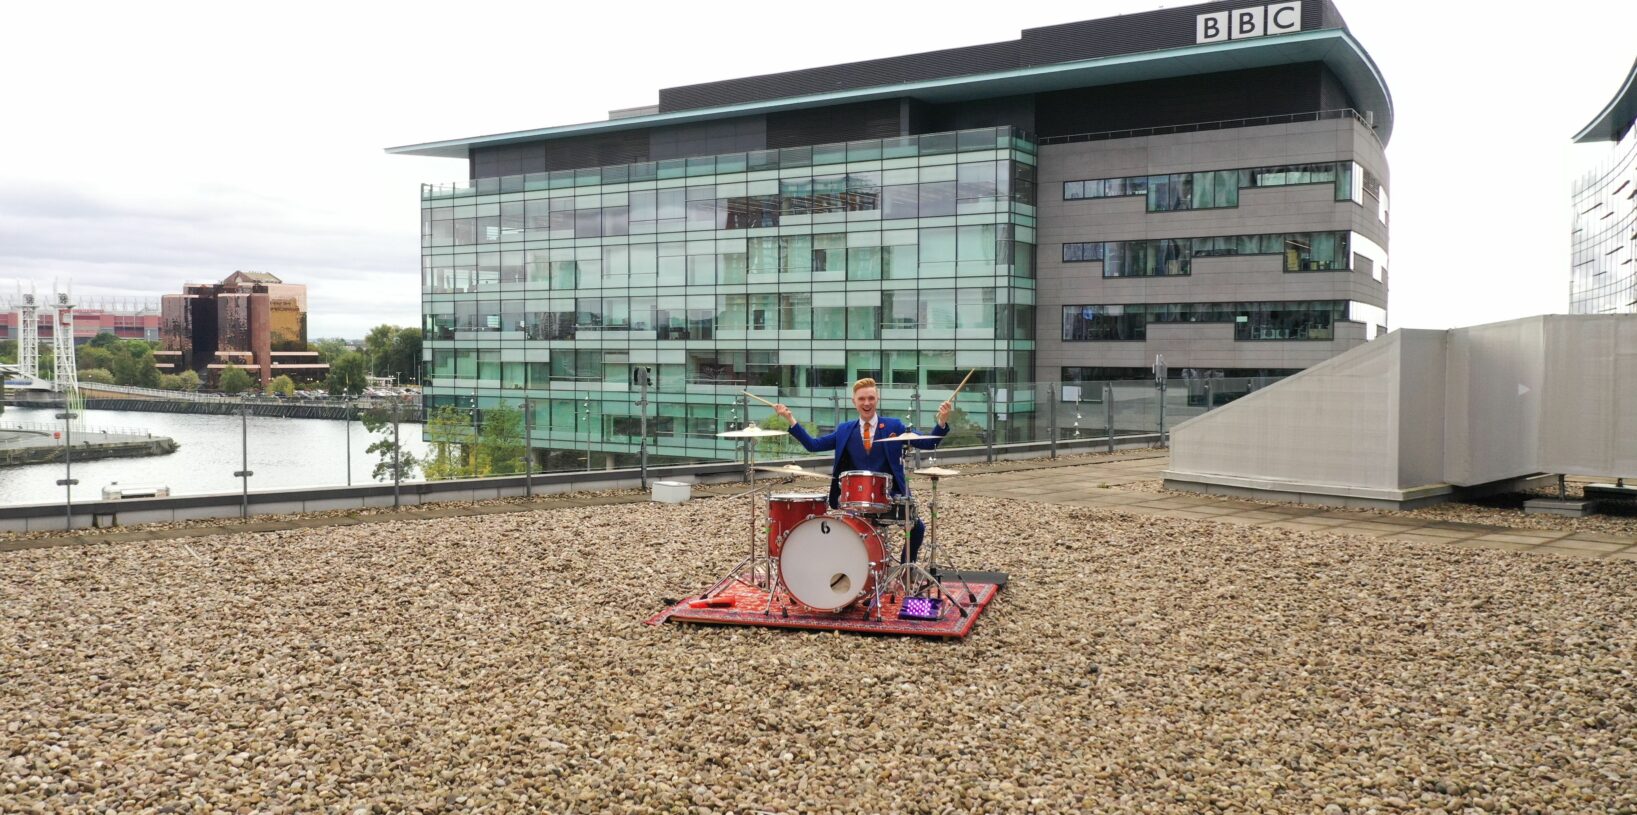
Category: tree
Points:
column 405, row 356
column 131, row 361
column 346, row 375
column 963, row 432
column 8, row 352
column 772, row 446
column 382, row 421
column 281, row 385
column 393, row 351
column 377, row 345
column 167, row 382
column 189, row 380
column 234, row 380
column 89, row 357
column 101, row 376
column 330, row 349
column 449, row 432
column 500, row 443
column 104, row 339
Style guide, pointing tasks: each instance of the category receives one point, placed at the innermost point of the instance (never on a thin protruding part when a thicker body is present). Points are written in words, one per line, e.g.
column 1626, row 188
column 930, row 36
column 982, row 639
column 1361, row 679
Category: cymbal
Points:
column 750, row 431
column 793, row 470
column 910, row 436
column 938, row 471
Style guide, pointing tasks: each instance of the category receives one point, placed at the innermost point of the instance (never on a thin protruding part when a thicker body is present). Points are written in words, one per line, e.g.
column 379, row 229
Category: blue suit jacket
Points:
column 848, row 442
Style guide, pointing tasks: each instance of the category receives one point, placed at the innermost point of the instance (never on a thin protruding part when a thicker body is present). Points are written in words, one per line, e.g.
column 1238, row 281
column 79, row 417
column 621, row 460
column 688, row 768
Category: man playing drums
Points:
column 858, row 446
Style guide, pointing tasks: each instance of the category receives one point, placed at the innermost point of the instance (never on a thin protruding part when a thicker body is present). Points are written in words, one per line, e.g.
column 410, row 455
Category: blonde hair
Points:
column 861, row 384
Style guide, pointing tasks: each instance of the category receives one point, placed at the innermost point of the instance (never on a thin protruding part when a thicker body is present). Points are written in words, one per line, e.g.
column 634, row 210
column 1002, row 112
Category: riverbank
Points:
column 22, row 447
column 109, row 397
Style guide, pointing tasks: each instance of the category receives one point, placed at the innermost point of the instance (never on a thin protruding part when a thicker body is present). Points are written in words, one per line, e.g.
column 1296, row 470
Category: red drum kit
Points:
column 825, row 561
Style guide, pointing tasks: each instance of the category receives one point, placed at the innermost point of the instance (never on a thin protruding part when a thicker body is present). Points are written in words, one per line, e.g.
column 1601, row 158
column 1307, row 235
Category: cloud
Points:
column 109, row 243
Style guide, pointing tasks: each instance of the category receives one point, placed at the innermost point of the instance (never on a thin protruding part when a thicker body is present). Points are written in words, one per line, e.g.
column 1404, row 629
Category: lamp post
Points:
column 528, row 450
column 244, row 474
column 68, row 480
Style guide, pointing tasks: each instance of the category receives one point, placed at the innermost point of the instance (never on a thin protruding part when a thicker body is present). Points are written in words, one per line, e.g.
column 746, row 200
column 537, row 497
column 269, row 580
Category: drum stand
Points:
column 910, row 575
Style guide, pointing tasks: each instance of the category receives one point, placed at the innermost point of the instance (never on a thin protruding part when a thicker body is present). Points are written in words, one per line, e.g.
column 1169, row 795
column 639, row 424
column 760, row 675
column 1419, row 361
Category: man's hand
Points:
column 784, row 413
column 943, row 413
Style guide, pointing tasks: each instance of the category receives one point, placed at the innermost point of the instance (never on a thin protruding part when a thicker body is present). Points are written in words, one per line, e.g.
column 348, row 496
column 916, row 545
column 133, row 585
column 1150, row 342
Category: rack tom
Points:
column 865, row 491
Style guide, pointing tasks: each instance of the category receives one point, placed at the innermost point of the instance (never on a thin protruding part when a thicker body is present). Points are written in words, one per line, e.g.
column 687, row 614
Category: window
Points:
column 1291, row 320
column 1168, row 257
column 1210, row 189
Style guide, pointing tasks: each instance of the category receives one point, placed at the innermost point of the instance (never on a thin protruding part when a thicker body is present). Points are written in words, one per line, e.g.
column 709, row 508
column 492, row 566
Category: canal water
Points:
column 284, row 453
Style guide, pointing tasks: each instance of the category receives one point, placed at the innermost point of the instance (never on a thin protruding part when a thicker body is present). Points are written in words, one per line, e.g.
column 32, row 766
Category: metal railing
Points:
column 53, row 427
column 538, row 434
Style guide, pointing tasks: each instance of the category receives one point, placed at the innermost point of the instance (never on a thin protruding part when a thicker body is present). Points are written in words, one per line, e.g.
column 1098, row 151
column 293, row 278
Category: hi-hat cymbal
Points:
column 793, row 470
column 937, row 471
column 750, row 432
column 910, row 436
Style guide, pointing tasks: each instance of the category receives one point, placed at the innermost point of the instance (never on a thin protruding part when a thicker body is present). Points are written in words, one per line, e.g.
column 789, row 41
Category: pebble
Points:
column 501, row 663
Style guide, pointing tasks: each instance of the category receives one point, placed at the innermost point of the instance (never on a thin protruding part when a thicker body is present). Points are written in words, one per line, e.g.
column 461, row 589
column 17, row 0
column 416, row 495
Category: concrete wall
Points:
column 1492, row 419
column 1421, row 413
column 1420, row 405
column 1589, row 425
column 1324, row 426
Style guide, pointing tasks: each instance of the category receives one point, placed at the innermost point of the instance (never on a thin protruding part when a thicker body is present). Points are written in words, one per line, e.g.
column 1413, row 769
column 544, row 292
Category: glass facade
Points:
column 1166, row 257
column 1603, row 240
column 787, row 272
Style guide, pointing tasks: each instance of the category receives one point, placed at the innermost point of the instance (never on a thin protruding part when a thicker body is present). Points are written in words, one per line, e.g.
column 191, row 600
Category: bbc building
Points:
column 1603, row 237
column 1207, row 183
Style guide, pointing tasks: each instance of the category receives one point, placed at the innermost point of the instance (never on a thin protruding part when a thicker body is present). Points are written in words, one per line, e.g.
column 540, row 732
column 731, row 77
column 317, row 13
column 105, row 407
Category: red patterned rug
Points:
column 744, row 605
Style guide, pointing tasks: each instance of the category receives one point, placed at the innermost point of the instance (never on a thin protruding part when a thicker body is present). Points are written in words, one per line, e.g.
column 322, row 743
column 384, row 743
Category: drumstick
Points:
column 962, row 385
column 757, row 398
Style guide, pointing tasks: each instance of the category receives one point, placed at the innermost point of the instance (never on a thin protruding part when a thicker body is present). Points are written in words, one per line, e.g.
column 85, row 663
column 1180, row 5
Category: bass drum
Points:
column 830, row 561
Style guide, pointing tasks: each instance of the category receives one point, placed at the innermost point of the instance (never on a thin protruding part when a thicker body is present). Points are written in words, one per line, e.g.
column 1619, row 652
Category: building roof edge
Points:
column 1616, row 117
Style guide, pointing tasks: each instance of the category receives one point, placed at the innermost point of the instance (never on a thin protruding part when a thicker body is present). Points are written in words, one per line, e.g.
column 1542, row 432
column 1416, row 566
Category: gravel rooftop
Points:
column 500, row 663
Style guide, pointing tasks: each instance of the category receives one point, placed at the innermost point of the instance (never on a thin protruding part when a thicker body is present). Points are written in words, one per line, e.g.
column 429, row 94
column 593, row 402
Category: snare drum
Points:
column 831, row 561
column 785, row 510
column 865, row 491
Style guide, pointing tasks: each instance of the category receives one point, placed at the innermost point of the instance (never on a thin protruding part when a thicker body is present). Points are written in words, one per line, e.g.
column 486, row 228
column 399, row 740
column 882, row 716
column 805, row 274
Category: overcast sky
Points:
column 148, row 145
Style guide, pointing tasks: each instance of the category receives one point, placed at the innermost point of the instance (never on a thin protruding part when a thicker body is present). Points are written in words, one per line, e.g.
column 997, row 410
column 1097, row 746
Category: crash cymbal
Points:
column 750, row 431
column 937, row 471
column 793, row 470
column 910, row 436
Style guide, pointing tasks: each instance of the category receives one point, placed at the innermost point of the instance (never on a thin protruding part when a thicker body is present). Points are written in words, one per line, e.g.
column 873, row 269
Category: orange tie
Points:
column 867, row 436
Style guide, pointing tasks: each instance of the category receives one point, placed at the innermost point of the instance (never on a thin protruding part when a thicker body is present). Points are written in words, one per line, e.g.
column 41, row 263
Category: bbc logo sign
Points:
column 1241, row 24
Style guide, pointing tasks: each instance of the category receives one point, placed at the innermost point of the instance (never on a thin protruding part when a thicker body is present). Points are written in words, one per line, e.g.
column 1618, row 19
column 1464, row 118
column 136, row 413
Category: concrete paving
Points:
column 1097, row 484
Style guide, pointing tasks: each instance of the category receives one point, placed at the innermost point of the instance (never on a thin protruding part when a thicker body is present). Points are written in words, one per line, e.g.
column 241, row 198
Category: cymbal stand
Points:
column 910, row 574
column 756, row 570
column 933, row 551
